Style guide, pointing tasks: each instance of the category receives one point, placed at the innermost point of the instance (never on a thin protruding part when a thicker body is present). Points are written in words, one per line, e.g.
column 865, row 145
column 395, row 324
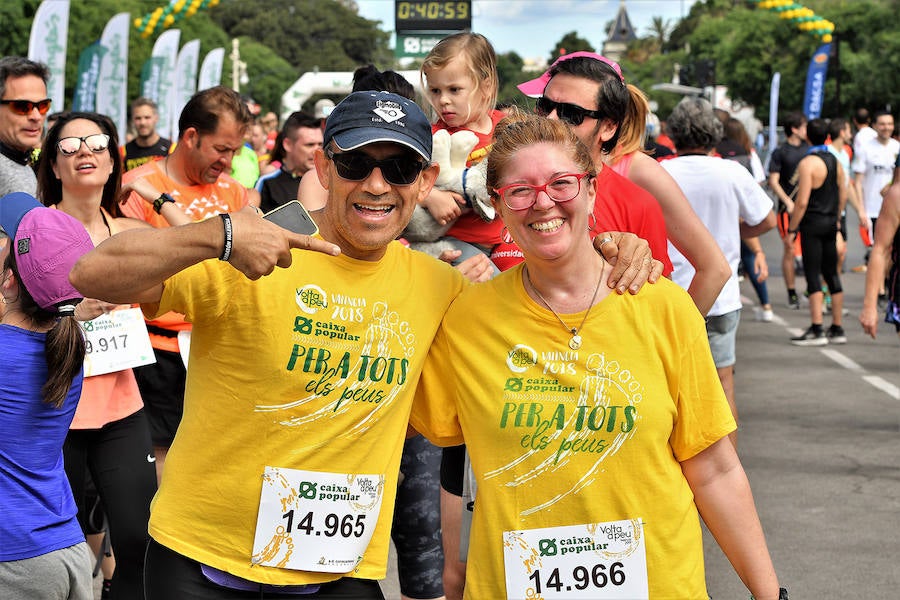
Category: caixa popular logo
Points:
column 311, row 299
column 520, row 358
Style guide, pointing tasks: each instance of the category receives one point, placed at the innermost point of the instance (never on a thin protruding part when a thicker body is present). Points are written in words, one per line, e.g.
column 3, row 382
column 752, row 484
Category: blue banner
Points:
column 814, row 95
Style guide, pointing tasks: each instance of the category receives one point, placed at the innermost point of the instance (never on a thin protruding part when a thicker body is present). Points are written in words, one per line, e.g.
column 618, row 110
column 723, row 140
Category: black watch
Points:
column 158, row 203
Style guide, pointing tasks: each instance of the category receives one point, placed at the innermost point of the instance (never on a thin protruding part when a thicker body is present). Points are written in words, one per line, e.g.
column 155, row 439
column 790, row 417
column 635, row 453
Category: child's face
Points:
column 452, row 93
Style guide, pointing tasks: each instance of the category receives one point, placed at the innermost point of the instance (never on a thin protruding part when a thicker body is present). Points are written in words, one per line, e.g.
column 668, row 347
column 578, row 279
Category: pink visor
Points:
column 535, row 87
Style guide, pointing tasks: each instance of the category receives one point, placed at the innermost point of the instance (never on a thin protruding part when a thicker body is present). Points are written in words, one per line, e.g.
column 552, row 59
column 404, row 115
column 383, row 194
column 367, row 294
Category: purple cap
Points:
column 535, row 87
column 46, row 243
column 367, row 117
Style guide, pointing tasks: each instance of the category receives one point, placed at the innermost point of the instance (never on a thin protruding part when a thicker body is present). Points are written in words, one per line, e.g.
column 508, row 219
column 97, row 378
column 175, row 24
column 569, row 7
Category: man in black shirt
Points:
column 147, row 144
column 295, row 147
column 821, row 196
column 782, row 167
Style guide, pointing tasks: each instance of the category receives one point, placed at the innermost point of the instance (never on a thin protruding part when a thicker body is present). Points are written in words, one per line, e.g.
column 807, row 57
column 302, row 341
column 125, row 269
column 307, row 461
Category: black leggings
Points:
column 417, row 521
column 820, row 259
column 120, row 459
column 172, row 576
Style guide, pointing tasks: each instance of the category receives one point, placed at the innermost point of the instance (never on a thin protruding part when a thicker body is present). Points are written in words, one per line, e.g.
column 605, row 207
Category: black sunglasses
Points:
column 24, row 107
column 570, row 113
column 356, row 166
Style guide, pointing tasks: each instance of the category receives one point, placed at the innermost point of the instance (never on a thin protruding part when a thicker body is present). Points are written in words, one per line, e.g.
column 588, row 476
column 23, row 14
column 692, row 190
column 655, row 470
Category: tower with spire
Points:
column 620, row 33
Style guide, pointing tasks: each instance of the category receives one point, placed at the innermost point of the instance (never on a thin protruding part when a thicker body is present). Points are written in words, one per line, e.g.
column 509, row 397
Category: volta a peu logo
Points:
column 311, row 298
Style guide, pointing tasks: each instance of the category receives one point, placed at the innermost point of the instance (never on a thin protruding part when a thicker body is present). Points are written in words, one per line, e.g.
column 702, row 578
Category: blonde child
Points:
column 459, row 77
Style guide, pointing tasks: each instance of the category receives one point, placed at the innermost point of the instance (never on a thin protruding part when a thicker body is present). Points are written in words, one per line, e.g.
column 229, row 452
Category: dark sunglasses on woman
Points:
column 570, row 113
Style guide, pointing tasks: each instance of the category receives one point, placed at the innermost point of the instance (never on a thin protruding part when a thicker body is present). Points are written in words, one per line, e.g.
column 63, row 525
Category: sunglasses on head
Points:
column 24, row 107
column 570, row 113
column 96, row 143
column 356, row 166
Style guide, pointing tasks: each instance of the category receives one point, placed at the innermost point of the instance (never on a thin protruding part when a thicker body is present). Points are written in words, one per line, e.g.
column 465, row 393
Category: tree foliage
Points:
column 749, row 45
column 570, row 43
column 279, row 40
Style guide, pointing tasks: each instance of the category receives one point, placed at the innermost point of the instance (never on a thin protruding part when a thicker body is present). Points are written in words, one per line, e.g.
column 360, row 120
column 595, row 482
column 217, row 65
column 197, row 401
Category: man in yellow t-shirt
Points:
column 284, row 468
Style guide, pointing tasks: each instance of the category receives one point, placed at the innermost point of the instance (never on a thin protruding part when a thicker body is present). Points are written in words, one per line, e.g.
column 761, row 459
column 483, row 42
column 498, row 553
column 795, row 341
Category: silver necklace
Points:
column 575, row 341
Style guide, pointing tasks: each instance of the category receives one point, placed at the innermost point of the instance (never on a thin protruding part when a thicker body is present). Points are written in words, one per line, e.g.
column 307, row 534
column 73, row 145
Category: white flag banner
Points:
column 47, row 44
column 211, row 69
column 166, row 48
column 185, row 79
column 773, row 115
column 112, row 89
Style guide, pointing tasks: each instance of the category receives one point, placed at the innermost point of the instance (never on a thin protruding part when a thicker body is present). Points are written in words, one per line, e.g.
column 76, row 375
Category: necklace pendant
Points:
column 575, row 342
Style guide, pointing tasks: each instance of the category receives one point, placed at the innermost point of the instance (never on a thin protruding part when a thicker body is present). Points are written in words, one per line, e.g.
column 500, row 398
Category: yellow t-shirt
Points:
column 313, row 367
column 562, row 437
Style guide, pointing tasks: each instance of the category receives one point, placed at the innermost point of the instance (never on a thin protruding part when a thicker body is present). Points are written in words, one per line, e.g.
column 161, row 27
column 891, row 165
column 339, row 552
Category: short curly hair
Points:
column 693, row 124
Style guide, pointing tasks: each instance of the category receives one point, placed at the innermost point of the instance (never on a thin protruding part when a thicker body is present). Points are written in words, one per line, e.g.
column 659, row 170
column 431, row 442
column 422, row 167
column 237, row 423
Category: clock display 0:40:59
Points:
column 432, row 9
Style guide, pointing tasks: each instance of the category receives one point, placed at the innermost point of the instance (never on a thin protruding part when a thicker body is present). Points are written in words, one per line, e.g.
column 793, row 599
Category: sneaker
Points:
column 793, row 301
column 763, row 314
column 836, row 335
column 859, row 269
column 811, row 338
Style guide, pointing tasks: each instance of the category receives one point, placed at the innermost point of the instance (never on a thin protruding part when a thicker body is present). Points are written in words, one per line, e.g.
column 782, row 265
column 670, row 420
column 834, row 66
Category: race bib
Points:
column 116, row 341
column 312, row 521
column 600, row 561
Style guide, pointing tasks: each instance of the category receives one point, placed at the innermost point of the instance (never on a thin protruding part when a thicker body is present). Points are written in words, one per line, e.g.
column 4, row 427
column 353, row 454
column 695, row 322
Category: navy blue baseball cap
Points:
column 364, row 118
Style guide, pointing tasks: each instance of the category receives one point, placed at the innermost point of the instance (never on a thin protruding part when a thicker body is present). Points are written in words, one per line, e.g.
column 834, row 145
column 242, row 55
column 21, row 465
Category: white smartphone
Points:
column 293, row 217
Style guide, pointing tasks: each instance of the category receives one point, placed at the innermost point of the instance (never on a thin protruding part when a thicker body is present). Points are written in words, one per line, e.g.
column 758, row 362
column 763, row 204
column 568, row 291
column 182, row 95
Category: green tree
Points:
column 570, row 43
column 279, row 41
column 509, row 75
column 659, row 29
column 308, row 34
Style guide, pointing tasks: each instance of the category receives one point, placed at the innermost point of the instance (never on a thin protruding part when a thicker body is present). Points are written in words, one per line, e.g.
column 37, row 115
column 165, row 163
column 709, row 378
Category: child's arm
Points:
column 444, row 206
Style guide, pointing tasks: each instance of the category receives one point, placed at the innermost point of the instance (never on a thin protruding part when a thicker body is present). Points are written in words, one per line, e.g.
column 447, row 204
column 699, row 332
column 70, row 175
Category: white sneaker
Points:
column 764, row 315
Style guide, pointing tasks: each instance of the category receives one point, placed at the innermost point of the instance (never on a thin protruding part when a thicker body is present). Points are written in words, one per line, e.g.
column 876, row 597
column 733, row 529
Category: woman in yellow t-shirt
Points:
column 596, row 424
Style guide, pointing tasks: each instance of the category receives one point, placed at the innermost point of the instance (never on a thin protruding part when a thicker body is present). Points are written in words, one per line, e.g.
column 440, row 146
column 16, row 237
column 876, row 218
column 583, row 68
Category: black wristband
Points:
column 158, row 203
column 229, row 237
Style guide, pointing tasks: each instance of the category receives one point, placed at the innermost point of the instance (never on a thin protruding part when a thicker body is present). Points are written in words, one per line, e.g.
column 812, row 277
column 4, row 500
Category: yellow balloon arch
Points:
column 804, row 18
column 166, row 16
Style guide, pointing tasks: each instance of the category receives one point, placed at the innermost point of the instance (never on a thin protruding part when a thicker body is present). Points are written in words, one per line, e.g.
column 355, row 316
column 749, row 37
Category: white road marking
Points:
column 874, row 380
column 889, row 388
column 845, row 362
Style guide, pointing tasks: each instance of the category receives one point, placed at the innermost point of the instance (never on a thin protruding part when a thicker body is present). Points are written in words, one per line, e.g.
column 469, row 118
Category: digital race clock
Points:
column 432, row 15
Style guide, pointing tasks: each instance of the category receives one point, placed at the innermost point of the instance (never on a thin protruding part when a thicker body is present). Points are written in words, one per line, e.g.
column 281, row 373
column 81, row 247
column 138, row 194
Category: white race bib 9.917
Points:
column 116, row 341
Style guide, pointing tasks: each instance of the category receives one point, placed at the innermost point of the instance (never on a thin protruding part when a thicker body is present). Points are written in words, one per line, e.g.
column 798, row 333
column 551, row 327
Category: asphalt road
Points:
column 819, row 438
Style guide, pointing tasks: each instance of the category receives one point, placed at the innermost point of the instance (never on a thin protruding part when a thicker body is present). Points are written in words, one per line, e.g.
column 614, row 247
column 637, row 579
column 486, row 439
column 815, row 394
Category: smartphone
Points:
column 293, row 217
